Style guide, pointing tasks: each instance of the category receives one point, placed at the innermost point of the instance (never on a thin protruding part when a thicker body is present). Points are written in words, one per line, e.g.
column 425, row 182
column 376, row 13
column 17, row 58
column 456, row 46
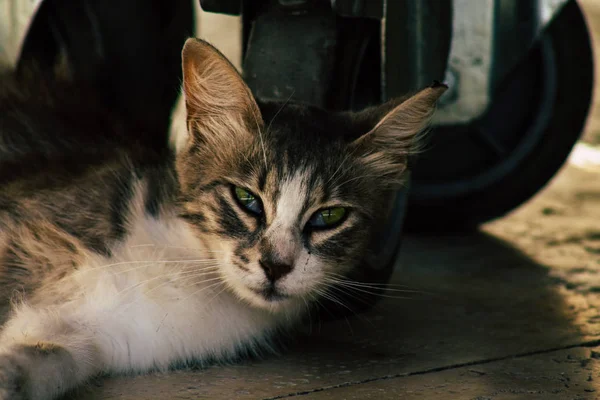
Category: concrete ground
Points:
column 511, row 312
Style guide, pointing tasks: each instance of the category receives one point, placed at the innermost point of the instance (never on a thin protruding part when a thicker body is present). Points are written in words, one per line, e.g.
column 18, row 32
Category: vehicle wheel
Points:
column 129, row 52
column 472, row 174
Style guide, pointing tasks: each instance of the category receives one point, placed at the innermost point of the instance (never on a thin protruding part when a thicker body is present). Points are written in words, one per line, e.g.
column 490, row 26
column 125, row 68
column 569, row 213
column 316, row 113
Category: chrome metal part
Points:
column 15, row 19
column 477, row 50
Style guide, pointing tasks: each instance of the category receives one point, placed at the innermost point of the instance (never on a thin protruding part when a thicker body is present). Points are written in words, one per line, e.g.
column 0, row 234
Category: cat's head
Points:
column 286, row 196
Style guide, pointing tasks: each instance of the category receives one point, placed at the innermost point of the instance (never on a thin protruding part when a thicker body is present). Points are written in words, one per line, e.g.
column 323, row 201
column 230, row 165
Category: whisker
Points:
column 361, row 299
column 358, row 177
column 175, row 247
column 217, row 294
column 187, row 270
column 199, row 281
column 314, row 298
column 207, row 267
column 344, row 277
column 329, row 296
column 192, row 275
column 377, row 294
column 169, row 278
column 334, row 299
column 167, row 282
column 285, row 103
column 368, row 286
column 262, row 143
column 150, row 263
column 138, row 284
column 203, row 289
column 338, row 168
column 347, row 293
column 308, row 307
column 350, row 154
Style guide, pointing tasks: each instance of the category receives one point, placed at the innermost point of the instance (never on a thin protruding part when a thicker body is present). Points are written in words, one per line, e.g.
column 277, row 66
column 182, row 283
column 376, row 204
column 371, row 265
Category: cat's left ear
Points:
column 221, row 111
column 392, row 130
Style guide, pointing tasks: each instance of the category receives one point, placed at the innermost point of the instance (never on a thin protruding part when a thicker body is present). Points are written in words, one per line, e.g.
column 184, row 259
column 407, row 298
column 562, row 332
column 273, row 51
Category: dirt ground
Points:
column 511, row 312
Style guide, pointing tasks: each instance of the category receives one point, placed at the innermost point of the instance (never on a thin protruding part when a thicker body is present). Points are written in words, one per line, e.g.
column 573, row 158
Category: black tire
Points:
column 537, row 116
column 128, row 51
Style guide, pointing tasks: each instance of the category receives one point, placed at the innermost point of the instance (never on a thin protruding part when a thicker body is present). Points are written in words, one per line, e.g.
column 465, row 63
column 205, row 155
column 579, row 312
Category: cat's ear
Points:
column 392, row 130
column 220, row 108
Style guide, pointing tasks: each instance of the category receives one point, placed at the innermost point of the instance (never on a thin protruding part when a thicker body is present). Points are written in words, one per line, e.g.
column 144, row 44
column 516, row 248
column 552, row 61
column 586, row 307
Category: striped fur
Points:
column 115, row 257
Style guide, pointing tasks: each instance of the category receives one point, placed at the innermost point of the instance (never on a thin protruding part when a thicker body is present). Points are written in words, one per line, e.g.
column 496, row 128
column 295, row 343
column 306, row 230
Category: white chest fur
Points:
column 158, row 299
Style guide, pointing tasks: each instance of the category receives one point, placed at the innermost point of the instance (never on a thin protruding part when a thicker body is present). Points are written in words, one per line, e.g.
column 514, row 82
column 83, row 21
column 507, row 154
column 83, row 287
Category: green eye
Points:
column 327, row 217
column 248, row 200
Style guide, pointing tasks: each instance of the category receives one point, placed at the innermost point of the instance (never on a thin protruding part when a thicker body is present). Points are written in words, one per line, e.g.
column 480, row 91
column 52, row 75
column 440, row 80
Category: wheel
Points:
column 128, row 51
column 474, row 173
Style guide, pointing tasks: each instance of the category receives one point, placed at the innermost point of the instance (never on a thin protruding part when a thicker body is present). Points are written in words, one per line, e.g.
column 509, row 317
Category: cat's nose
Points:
column 274, row 270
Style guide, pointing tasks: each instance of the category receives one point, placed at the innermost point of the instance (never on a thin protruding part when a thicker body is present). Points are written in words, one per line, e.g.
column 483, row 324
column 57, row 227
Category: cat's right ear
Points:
column 388, row 133
column 221, row 111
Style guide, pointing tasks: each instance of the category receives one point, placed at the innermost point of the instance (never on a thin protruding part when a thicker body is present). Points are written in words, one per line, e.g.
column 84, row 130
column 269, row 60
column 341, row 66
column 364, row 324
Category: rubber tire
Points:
column 570, row 40
column 137, row 72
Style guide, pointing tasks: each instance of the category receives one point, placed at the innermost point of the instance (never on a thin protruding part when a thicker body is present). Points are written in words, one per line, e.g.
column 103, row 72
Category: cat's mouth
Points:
column 271, row 294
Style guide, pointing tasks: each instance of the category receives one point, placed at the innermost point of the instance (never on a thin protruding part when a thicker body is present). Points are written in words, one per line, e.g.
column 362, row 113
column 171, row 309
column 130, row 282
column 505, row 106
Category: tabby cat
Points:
column 116, row 259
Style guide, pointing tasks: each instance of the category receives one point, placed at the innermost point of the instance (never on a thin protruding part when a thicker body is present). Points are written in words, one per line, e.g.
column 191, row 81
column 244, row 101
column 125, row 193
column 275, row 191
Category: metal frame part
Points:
column 489, row 38
column 416, row 38
column 16, row 17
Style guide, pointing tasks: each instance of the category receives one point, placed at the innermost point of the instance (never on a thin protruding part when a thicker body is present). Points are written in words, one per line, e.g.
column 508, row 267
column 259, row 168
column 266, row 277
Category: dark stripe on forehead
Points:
column 336, row 173
column 313, row 189
column 314, row 179
column 262, row 178
column 317, row 191
column 279, row 167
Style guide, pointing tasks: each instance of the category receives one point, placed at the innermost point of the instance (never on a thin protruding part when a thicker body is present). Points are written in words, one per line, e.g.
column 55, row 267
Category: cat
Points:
column 124, row 259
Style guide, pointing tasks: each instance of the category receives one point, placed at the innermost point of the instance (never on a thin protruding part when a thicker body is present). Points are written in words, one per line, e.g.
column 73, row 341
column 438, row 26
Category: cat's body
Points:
column 101, row 257
column 145, row 298
column 136, row 260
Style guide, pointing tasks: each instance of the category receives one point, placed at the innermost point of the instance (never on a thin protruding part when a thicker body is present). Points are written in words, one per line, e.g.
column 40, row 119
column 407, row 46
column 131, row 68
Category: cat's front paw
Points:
column 12, row 379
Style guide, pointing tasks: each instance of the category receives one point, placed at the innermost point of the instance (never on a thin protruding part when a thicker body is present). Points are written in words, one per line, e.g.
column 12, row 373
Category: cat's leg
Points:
column 43, row 355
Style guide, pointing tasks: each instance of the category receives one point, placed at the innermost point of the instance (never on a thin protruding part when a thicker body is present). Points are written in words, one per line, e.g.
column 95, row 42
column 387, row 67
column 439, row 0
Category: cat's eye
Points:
column 327, row 217
column 248, row 200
